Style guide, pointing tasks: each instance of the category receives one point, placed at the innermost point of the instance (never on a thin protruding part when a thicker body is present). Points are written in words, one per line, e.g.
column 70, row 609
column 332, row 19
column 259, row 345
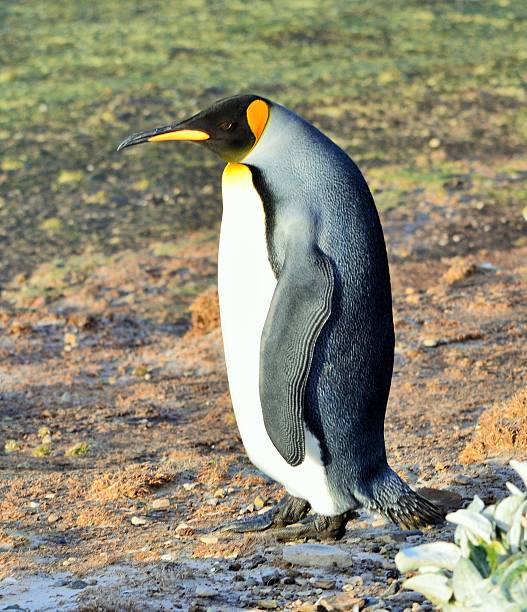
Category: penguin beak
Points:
column 169, row 132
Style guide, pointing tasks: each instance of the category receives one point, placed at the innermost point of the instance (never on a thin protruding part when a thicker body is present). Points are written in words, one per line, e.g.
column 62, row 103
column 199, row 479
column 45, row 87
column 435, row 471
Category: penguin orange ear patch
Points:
column 257, row 116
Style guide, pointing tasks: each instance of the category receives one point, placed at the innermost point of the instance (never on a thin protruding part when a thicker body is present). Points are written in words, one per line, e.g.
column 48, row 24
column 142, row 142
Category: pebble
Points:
column 270, row 577
column 167, row 557
column 65, row 398
column 184, row 529
column 202, row 591
column 431, row 342
column 354, row 582
column 161, row 503
column 462, row 479
column 188, row 486
column 235, row 566
column 52, row 518
column 69, row 561
column 374, row 558
column 342, row 601
column 78, row 584
column 6, row 546
column 268, row 604
column 316, row 555
column 138, row 521
column 255, row 562
column 323, row 584
column 208, row 539
column 259, row 502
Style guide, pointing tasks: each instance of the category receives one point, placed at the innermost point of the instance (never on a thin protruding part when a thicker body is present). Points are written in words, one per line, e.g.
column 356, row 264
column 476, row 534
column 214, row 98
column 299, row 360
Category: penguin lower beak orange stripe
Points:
column 180, row 135
column 168, row 132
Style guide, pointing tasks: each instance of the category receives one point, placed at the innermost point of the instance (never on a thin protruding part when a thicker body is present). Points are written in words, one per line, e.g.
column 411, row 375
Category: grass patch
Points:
column 385, row 79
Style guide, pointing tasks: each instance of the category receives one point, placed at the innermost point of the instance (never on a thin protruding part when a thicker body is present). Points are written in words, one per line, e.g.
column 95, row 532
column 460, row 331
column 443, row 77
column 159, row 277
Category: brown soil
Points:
column 121, row 451
column 501, row 429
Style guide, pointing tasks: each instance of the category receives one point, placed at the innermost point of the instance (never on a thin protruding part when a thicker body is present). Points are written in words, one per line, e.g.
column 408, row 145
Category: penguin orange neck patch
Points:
column 257, row 116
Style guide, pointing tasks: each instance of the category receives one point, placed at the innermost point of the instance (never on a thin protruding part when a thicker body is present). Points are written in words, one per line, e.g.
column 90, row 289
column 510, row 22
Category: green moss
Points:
column 384, row 78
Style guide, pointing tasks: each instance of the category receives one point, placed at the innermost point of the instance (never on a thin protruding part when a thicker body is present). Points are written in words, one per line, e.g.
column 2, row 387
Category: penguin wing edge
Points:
column 300, row 307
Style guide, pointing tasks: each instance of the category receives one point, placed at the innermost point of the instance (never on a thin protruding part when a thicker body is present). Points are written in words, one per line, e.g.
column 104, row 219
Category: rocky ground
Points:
column 119, row 447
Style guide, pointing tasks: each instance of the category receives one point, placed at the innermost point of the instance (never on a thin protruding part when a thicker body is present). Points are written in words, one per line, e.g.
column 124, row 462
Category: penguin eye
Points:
column 226, row 126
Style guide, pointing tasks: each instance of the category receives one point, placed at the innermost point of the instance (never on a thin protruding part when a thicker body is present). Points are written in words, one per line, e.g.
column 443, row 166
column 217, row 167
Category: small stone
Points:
column 431, row 342
column 78, row 584
column 69, row 561
column 65, row 398
column 373, row 558
column 235, row 566
column 220, row 492
column 53, row 518
column 184, row 529
column 203, row 591
column 323, row 584
column 161, row 503
column 167, row 557
column 259, row 502
column 270, row 577
column 524, row 213
column 354, row 583
column 138, row 521
column 434, row 143
column 316, row 555
column 255, row 562
column 188, row 486
column 6, row 546
column 342, row 601
column 70, row 339
column 208, row 539
column 268, row 604
column 34, row 505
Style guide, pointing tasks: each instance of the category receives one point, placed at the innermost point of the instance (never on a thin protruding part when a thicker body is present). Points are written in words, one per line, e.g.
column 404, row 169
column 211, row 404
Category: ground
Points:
column 118, row 447
column 121, row 451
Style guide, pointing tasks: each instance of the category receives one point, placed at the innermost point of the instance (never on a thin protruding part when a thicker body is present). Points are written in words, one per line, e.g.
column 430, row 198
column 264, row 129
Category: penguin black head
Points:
column 231, row 127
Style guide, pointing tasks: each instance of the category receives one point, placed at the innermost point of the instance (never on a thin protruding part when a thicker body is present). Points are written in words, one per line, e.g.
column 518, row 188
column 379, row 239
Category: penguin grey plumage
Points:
column 306, row 315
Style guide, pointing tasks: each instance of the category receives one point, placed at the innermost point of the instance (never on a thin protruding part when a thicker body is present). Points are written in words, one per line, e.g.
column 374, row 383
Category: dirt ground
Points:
column 120, row 450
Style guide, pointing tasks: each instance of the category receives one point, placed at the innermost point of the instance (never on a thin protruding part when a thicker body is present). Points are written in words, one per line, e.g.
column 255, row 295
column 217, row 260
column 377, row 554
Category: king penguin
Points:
column 306, row 317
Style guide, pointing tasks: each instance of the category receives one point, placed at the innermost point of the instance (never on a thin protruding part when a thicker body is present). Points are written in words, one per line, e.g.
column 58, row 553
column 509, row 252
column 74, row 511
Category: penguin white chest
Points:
column 246, row 285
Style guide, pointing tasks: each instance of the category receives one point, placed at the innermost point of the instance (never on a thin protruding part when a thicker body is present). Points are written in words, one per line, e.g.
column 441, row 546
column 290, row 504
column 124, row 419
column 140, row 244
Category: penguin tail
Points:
column 409, row 509
column 412, row 511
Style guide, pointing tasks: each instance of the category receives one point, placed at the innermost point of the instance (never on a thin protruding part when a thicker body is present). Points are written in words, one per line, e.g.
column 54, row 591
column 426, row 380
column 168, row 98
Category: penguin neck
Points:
column 291, row 150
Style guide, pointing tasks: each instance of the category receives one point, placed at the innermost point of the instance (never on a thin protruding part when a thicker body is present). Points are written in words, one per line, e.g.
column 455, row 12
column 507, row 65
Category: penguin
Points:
column 306, row 318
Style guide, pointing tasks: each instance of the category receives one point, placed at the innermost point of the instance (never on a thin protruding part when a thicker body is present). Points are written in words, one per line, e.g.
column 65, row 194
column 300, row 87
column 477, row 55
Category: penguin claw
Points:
column 260, row 522
column 288, row 510
column 316, row 527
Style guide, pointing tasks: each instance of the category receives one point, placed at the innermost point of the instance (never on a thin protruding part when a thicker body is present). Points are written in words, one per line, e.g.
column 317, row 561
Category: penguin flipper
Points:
column 300, row 307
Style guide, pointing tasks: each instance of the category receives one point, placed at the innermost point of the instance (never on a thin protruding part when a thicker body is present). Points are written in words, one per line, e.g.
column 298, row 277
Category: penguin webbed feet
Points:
column 315, row 527
column 289, row 510
column 289, row 521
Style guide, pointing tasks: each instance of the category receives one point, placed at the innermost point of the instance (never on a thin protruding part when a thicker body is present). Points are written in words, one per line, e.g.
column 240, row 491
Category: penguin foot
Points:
column 316, row 527
column 289, row 510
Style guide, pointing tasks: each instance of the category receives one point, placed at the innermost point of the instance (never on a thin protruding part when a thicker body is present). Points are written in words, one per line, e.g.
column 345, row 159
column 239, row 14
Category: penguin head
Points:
column 230, row 128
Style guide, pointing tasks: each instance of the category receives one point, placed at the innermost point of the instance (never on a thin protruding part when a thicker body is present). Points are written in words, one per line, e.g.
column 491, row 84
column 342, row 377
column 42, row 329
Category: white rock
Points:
column 208, row 539
column 161, row 503
column 316, row 555
column 203, row 591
